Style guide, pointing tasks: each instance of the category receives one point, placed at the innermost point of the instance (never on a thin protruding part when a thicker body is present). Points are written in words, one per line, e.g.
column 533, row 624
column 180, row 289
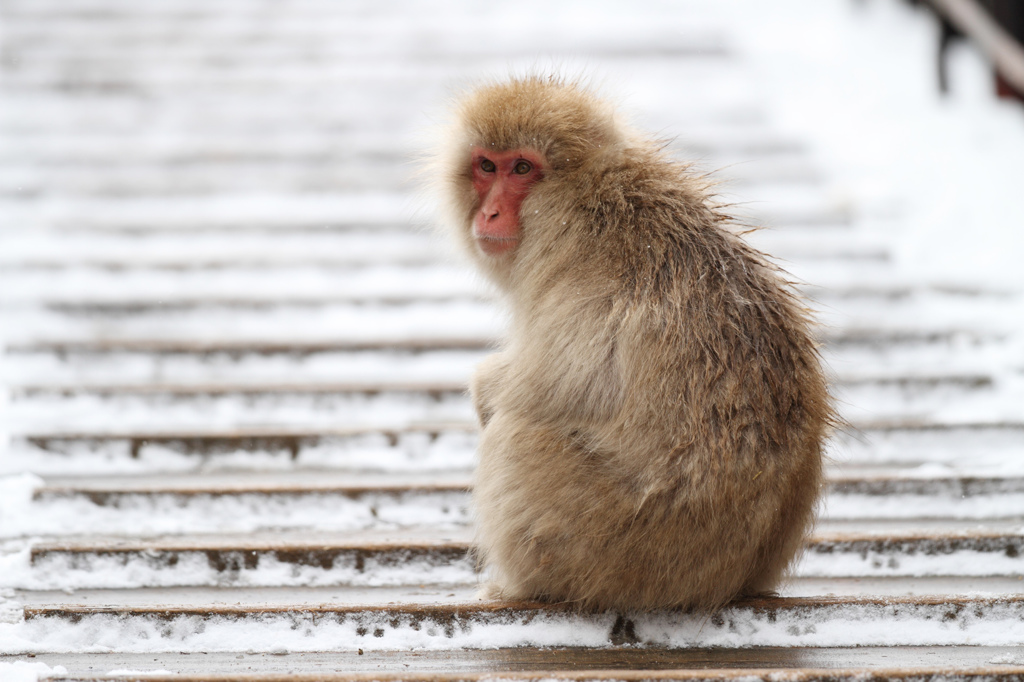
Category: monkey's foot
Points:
column 489, row 591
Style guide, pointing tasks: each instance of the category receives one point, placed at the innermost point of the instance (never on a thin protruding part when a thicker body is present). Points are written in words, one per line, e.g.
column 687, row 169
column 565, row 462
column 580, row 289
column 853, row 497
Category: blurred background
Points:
column 176, row 172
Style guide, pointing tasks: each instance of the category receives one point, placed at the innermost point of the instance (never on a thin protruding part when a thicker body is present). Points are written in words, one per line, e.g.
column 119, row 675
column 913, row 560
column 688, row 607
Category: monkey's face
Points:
column 502, row 180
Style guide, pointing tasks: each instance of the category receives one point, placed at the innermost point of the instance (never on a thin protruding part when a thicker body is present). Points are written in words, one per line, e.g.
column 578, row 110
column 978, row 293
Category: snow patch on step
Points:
column 231, row 568
column 376, row 452
column 870, row 623
column 29, row 671
column 147, row 514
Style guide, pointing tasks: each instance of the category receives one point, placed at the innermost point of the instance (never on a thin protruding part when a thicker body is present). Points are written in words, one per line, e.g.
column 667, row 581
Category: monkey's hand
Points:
column 485, row 384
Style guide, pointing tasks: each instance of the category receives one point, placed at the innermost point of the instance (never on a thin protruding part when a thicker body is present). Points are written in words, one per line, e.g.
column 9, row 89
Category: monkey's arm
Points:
column 565, row 369
column 485, row 384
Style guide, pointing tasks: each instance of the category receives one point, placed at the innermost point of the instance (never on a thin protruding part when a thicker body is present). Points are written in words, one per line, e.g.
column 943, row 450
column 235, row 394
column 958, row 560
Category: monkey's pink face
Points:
column 502, row 180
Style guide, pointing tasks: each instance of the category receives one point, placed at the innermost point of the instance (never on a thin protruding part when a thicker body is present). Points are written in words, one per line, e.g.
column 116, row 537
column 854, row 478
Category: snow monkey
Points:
column 652, row 428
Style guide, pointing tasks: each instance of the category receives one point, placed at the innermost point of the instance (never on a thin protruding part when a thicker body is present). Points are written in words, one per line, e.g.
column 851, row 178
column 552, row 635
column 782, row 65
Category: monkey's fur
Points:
column 652, row 430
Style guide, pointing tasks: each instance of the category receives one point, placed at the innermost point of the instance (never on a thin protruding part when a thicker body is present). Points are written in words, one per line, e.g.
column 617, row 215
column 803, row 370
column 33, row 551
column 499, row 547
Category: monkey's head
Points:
column 518, row 147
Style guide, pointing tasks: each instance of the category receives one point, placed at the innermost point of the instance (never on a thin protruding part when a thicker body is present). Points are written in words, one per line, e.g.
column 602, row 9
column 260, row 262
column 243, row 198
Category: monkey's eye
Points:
column 522, row 168
column 487, row 166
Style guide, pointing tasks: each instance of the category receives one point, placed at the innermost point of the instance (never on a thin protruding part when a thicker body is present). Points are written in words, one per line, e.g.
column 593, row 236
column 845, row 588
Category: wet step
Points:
column 533, row 664
column 140, row 621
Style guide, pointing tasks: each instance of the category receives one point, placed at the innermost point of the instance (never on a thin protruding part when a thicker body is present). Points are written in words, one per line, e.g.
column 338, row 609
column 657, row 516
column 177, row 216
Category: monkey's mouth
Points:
column 496, row 246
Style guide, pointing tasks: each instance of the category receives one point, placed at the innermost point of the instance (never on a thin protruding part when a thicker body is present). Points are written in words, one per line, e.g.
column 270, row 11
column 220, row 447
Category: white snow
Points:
column 414, row 451
column 28, row 671
column 145, row 514
column 888, row 623
column 193, row 568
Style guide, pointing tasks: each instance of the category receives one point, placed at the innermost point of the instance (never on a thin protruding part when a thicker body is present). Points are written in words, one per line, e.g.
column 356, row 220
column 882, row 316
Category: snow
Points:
column 28, row 671
column 146, row 514
column 193, row 568
column 940, row 175
column 203, row 413
column 894, row 506
column 962, row 562
column 241, row 369
column 27, row 511
column 887, row 622
column 330, row 323
column 56, row 570
column 261, row 208
column 414, row 451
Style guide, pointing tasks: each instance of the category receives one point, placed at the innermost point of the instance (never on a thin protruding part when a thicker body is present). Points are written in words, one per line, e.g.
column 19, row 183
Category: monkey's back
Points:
column 659, row 439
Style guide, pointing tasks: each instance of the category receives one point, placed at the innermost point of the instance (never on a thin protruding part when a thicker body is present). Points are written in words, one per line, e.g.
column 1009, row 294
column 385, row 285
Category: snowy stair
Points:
column 235, row 362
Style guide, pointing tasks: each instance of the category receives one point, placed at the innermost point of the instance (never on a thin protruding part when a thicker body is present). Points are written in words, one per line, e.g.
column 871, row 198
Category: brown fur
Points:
column 653, row 428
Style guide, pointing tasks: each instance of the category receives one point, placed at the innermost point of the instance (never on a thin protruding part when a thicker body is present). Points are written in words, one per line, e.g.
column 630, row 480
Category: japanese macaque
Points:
column 652, row 429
